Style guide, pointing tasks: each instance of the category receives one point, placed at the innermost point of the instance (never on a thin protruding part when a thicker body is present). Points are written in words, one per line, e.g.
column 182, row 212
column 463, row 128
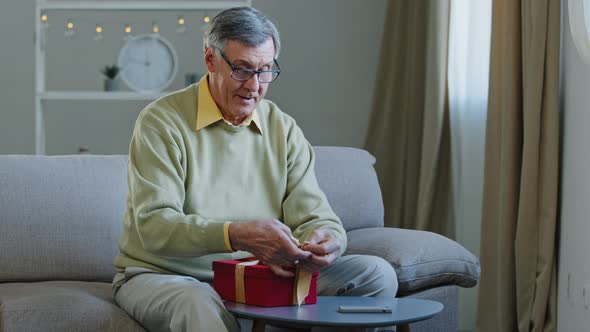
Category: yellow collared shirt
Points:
column 208, row 112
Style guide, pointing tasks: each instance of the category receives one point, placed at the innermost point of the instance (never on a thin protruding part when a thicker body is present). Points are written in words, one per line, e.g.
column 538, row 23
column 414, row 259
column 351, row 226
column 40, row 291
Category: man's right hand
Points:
column 268, row 240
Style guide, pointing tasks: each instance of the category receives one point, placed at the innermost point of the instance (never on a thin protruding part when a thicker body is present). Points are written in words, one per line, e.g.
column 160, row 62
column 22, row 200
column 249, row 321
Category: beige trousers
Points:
column 164, row 302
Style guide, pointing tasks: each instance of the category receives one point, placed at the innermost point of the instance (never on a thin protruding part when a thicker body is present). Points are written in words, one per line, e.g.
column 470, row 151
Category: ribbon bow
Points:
column 300, row 286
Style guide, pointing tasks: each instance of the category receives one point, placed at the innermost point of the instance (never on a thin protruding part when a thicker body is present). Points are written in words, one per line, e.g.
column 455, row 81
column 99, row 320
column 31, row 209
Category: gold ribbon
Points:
column 302, row 279
column 300, row 286
column 239, row 280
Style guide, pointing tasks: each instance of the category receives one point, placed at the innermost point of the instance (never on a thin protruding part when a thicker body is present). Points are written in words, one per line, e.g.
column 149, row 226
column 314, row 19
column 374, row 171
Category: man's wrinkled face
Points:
column 234, row 98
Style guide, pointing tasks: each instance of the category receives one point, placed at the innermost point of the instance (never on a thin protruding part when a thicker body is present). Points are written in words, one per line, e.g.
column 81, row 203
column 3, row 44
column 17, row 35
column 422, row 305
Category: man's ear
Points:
column 210, row 59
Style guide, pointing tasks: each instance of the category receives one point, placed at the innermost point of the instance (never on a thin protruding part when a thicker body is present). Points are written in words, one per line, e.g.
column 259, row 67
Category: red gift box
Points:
column 260, row 285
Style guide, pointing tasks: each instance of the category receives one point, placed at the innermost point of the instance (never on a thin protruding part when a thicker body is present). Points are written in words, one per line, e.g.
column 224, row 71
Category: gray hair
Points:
column 243, row 24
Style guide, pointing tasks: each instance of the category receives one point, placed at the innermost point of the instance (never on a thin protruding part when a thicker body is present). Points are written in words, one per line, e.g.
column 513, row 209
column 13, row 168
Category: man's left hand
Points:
column 325, row 248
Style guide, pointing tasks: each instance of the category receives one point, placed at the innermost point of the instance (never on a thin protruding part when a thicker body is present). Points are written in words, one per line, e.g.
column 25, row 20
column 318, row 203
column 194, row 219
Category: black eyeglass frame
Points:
column 251, row 71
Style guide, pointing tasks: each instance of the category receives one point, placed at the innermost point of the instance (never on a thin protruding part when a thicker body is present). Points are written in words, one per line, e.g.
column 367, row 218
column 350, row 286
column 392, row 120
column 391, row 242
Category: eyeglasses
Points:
column 245, row 74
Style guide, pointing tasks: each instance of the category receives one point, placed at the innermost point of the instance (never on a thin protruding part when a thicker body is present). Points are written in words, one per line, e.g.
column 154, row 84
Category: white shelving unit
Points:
column 42, row 95
column 98, row 95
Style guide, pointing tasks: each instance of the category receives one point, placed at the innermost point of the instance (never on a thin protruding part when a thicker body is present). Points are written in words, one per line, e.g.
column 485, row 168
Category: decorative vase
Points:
column 111, row 84
column 83, row 150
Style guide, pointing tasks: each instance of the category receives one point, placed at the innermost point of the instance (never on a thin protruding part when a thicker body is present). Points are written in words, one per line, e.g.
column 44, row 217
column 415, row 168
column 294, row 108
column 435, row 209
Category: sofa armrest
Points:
column 421, row 259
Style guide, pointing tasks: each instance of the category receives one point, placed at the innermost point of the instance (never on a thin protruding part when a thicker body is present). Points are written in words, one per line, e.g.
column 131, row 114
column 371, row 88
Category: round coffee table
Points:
column 325, row 313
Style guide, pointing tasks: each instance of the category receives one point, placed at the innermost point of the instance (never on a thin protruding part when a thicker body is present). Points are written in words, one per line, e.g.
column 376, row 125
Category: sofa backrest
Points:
column 349, row 180
column 61, row 216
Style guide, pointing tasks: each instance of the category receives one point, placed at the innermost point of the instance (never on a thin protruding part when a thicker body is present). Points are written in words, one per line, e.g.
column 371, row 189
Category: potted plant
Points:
column 110, row 82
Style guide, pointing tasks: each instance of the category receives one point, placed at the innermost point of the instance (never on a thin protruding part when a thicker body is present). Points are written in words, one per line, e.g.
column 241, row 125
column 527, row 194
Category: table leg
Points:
column 258, row 325
column 403, row 328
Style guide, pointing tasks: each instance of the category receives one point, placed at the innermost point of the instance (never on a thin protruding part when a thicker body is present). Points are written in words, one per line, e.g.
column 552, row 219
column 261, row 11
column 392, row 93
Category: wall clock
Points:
column 148, row 63
column 579, row 18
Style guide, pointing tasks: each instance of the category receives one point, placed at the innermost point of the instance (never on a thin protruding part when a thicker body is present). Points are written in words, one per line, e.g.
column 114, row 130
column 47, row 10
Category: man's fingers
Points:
column 313, row 238
column 320, row 235
column 283, row 227
column 292, row 250
column 309, row 266
column 322, row 261
column 324, row 248
column 280, row 271
column 316, row 263
column 301, row 255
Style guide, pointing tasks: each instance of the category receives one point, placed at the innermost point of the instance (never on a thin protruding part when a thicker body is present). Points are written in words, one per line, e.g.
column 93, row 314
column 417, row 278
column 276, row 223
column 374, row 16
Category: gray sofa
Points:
column 60, row 219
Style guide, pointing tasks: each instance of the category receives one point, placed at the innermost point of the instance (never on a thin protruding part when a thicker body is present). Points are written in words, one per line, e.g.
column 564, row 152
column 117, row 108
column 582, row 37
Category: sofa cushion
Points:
column 421, row 259
column 347, row 177
column 61, row 216
column 61, row 306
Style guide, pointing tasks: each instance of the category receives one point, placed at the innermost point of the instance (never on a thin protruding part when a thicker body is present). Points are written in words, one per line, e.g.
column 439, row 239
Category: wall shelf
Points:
column 161, row 5
column 99, row 95
column 42, row 95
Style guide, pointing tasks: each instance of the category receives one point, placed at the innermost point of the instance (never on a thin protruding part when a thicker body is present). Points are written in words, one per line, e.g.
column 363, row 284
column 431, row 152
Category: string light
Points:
column 69, row 28
column 181, row 28
column 127, row 30
column 98, row 35
column 44, row 21
column 205, row 22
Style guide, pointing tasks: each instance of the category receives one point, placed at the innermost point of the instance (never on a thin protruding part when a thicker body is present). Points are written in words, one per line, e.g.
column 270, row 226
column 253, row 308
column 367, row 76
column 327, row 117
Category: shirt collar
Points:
column 208, row 112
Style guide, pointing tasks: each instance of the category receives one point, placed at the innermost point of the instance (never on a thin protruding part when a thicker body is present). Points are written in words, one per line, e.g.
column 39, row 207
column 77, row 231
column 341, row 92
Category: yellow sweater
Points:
column 184, row 183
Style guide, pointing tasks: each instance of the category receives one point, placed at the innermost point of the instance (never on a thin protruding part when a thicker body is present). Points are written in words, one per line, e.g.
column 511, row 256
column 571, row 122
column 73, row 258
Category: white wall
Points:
column 574, row 258
column 16, row 77
column 330, row 57
column 329, row 61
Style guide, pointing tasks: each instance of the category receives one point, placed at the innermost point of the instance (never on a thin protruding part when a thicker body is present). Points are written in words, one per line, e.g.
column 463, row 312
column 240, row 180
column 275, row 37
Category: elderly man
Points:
column 217, row 172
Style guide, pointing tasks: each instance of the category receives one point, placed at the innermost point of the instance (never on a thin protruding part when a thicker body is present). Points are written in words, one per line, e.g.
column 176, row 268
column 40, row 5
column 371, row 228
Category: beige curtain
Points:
column 409, row 131
column 518, row 252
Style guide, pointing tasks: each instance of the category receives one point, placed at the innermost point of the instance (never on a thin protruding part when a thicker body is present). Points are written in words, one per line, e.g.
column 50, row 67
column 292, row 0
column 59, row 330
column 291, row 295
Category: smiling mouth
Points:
column 245, row 98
